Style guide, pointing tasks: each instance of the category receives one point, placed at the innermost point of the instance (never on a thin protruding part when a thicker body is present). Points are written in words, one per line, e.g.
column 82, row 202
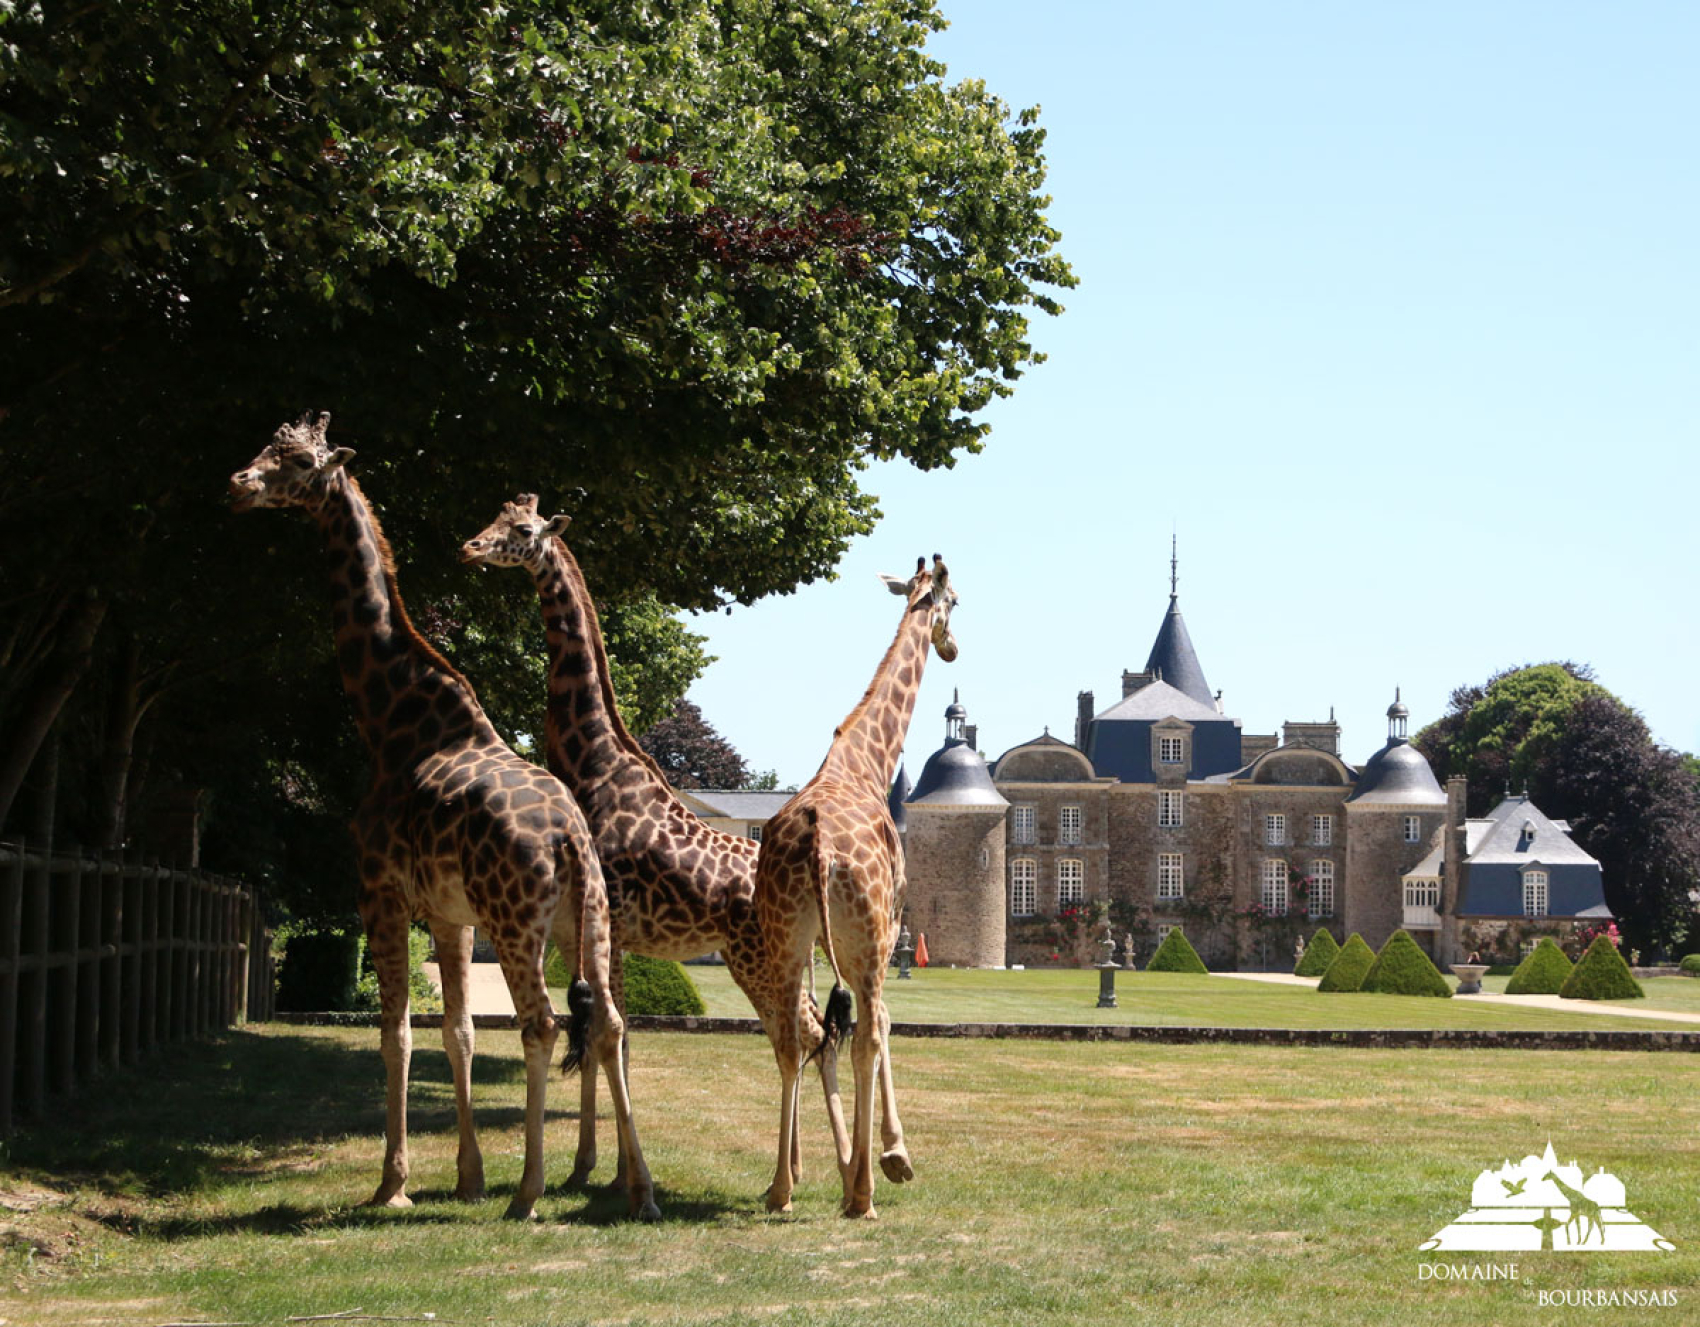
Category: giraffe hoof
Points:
column 580, row 1178
column 470, row 1193
column 520, row 1210
column 395, row 1200
column 854, row 1213
column 778, row 1204
column 647, row 1211
column 895, row 1164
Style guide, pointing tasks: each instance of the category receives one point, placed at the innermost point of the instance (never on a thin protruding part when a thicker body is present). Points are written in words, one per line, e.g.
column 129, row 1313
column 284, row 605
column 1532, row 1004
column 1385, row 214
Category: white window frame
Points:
column 1321, row 889
column 1071, row 820
column 1272, row 886
column 1024, row 824
column 1171, row 750
column 1275, row 829
column 1413, row 829
column 1163, row 929
column 1322, row 831
column 1171, row 876
column 1071, row 881
column 1537, row 896
column 1171, row 809
column 1023, row 887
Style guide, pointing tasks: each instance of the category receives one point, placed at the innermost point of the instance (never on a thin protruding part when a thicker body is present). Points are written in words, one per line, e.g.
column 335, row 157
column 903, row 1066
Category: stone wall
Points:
column 957, row 893
column 1377, row 857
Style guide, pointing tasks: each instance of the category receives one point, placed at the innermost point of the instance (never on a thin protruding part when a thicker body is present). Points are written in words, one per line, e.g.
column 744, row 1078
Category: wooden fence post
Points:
column 85, row 961
column 38, row 919
column 130, row 964
column 111, row 961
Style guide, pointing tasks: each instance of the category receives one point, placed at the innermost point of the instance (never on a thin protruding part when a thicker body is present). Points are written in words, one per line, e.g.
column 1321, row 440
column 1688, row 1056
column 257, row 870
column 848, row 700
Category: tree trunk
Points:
column 42, row 700
column 123, row 713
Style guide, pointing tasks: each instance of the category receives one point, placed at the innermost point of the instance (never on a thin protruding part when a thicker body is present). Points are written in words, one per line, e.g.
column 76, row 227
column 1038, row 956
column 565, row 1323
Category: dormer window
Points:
column 1171, row 750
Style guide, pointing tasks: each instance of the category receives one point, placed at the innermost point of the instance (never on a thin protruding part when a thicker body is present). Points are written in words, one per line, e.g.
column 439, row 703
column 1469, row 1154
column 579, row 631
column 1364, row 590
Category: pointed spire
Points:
column 1172, row 658
column 1174, row 573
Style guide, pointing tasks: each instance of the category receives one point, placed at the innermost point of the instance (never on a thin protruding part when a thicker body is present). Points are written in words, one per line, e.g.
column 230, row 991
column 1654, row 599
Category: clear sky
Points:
column 1390, row 312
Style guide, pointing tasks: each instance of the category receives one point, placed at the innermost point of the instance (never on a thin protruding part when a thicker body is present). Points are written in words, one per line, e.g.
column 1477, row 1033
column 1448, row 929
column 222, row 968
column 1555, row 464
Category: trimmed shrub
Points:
column 1544, row 972
column 1602, row 975
column 1350, row 966
column 422, row 994
column 1319, row 953
column 653, row 985
column 1691, row 965
column 1176, row 954
column 317, row 971
column 1401, row 968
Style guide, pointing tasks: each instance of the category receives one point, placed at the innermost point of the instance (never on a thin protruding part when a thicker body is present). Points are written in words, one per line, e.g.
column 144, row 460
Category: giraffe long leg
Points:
column 522, row 964
column 454, row 958
column 386, row 938
column 584, row 1159
column 865, row 1048
column 894, row 1159
column 787, row 1050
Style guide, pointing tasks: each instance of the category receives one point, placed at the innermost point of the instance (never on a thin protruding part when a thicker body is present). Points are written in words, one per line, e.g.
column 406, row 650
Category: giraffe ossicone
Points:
column 455, row 829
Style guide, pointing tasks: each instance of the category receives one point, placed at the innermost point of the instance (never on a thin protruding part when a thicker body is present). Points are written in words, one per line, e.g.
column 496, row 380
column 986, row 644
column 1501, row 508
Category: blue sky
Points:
column 1388, row 312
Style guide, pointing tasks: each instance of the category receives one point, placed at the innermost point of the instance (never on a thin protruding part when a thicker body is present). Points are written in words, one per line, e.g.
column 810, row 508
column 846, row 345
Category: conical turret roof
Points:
column 1175, row 661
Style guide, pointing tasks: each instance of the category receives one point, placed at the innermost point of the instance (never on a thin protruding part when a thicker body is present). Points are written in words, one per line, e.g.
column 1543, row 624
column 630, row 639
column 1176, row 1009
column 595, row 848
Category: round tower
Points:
column 954, row 847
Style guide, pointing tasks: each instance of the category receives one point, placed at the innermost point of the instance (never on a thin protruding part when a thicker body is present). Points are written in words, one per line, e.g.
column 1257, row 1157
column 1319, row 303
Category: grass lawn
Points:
column 1173, row 999
column 1055, row 1184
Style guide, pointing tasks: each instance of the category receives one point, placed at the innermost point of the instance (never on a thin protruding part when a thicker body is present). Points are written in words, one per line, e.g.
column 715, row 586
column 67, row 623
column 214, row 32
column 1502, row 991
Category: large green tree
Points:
column 1586, row 757
column 683, row 269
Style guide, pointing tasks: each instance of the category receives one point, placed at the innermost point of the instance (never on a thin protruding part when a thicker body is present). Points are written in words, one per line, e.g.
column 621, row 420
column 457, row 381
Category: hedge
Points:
column 653, row 985
column 1350, row 966
column 1543, row 972
column 1401, row 968
column 1176, row 954
column 1691, row 965
column 1319, row 953
column 1602, row 975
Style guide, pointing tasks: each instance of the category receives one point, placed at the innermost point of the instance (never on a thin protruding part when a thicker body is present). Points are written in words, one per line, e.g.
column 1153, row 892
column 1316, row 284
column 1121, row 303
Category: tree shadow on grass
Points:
column 194, row 1112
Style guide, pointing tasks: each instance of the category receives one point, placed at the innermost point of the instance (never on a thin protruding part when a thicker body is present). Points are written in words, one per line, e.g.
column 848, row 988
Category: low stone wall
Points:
column 1604, row 1039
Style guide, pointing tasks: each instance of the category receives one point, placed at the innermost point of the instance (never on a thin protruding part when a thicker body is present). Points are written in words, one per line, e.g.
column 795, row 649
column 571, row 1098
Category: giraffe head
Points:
column 932, row 591
column 295, row 469
column 518, row 537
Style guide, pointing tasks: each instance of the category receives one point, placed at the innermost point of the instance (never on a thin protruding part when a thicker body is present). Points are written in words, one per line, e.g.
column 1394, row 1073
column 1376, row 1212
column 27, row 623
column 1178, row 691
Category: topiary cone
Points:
column 1401, row 968
column 1602, row 975
column 1543, row 972
column 1350, row 966
column 1176, row 954
column 1319, row 953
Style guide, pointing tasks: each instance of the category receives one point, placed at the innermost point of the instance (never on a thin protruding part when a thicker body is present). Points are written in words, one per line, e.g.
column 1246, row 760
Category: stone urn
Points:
column 1469, row 977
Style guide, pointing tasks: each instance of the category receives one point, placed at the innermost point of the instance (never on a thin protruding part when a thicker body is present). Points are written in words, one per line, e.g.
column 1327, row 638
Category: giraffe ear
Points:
column 556, row 525
column 895, row 584
column 337, row 459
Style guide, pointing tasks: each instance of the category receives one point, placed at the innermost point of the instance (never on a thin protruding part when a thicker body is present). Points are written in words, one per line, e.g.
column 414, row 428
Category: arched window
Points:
column 1534, row 893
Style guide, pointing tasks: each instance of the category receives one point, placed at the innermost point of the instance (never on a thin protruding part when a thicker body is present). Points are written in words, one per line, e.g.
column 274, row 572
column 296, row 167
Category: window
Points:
column 1422, row 894
column 1023, row 886
column 1071, row 881
column 1163, row 929
column 1170, row 750
column 1413, row 829
column 1274, row 829
column 1068, row 824
column 1534, row 893
column 1274, row 892
column 755, row 833
column 1169, row 806
column 1322, row 830
column 1170, row 882
column 1022, row 823
column 1322, row 888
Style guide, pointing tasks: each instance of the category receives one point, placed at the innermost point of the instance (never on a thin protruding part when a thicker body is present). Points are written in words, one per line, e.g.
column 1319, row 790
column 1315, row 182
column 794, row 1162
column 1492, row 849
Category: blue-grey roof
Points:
column 1160, row 700
column 1175, row 661
column 900, row 789
column 1398, row 775
column 955, row 775
column 1517, row 831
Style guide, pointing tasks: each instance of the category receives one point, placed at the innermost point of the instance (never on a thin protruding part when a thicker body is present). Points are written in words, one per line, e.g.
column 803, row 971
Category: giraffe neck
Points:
column 407, row 697
column 867, row 744
column 588, row 741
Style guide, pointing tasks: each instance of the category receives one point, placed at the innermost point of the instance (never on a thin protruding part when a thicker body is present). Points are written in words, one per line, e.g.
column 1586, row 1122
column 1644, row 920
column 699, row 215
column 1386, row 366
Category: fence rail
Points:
column 102, row 959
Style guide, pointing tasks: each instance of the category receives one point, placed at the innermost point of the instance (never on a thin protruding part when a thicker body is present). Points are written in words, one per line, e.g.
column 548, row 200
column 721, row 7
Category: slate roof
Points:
column 955, row 775
column 1174, row 659
column 1502, row 838
column 1160, row 700
column 900, row 790
column 738, row 804
column 1398, row 775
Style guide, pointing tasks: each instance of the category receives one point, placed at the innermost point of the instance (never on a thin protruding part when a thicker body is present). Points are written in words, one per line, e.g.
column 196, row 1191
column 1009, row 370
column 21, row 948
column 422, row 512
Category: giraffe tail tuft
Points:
column 838, row 1021
column 580, row 1003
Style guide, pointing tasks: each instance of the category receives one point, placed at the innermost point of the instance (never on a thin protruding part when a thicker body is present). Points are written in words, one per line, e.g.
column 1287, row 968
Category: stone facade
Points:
column 954, row 863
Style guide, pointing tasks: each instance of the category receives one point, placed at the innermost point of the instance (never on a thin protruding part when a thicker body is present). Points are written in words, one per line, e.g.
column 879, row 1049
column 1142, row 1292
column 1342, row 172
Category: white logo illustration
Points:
column 1536, row 1203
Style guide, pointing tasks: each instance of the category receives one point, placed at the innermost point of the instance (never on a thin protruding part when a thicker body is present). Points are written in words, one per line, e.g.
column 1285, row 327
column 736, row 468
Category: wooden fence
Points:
column 102, row 959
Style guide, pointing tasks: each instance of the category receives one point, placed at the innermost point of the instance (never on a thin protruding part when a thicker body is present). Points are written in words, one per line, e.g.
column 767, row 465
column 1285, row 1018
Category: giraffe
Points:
column 455, row 829
column 831, row 866
column 678, row 887
column 1584, row 1212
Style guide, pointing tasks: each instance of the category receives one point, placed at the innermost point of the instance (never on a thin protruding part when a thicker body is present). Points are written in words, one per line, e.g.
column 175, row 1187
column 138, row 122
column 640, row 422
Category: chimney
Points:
column 1083, row 708
column 971, row 735
column 1453, row 840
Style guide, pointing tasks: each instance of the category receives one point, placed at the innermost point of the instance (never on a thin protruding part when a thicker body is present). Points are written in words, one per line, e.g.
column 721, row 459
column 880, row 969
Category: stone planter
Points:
column 1469, row 977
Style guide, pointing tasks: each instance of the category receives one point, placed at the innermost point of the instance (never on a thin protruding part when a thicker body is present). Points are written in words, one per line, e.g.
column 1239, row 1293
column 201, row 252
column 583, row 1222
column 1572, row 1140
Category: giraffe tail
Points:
column 581, row 1000
column 838, row 1018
